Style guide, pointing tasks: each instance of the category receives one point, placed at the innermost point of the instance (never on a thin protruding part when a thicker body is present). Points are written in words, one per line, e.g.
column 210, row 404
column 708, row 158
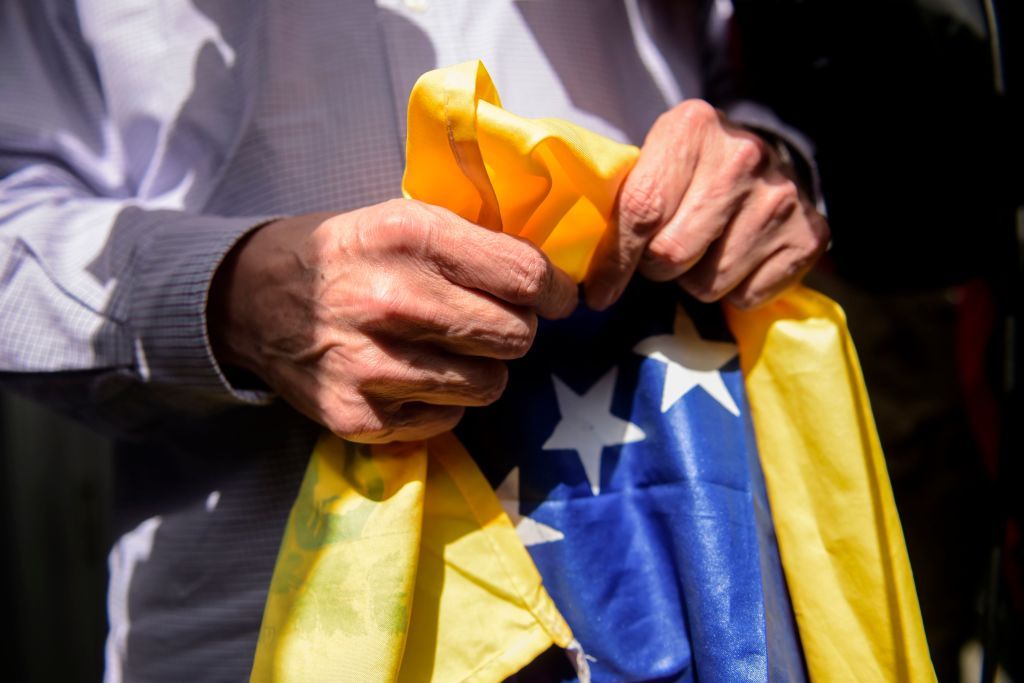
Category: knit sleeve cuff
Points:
column 173, row 272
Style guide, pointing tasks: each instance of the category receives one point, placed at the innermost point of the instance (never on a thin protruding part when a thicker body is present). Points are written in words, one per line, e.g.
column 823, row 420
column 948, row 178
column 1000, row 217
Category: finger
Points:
column 757, row 230
column 501, row 265
column 480, row 325
column 648, row 198
column 686, row 238
column 409, row 422
column 413, row 372
column 782, row 270
column 433, row 310
column 341, row 405
column 731, row 170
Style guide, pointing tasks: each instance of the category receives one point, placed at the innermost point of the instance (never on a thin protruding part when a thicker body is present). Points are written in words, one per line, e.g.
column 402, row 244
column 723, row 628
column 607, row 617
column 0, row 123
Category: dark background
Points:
column 55, row 485
column 919, row 157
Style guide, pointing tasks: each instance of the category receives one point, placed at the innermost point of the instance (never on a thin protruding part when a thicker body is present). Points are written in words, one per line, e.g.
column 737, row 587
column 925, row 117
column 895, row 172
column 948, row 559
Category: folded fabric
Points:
column 401, row 562
column 838, row 530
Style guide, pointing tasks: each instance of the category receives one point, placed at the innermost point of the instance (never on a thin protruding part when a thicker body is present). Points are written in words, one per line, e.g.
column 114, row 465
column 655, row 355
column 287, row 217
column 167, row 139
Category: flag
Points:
column 624, row 457
column 623, row 451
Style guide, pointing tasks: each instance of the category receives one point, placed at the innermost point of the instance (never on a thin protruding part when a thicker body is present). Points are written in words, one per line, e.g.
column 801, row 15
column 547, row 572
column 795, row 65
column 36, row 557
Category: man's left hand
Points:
column 712, row 206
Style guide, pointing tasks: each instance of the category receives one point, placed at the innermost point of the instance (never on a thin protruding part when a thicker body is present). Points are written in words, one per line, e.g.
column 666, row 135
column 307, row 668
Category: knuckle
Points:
column 394, row 220
column 496, row 380
column 396, row 207
column 803, row 257
column 747, row 154
column 669, row 249
column 402, row 226
column 784, row 199
column 809, row 242
column 529, row 273
column 641, row 205
column 731, row 261
column 385, row 303
column 518, row 337
column 697, row 112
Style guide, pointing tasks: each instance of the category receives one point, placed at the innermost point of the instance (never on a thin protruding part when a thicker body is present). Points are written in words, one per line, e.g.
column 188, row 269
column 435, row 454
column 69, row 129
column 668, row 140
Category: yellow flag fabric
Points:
column 839, row 535
column 544, row 180
column 383, row 546
column 398, row 562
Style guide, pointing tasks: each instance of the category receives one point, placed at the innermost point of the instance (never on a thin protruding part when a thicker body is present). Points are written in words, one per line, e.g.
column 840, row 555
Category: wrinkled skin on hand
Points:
column 386, row 322
column 711, row 206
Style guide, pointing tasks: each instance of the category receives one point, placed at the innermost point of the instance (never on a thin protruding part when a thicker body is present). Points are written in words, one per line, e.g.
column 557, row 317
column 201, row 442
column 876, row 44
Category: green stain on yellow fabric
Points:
column 316, row 522
column 389, row 600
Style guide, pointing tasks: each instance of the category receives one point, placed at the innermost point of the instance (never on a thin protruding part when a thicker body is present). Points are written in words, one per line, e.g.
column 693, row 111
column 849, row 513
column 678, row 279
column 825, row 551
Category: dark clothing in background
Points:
column 912, row 142
column 915, row 151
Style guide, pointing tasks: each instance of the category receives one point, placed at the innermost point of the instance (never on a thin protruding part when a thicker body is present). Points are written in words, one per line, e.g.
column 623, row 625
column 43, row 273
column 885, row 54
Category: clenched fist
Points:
column 386, row 322
column 712, row 206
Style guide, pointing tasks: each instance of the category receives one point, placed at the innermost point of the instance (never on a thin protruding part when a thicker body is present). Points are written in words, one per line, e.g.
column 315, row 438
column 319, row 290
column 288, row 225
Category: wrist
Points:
column 222, row 314
column 254, row 291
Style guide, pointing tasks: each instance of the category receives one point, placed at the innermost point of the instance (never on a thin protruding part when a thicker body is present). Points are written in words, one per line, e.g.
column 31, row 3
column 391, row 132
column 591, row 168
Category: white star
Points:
column 691, row 361
column 531, row 532
column 587, row 425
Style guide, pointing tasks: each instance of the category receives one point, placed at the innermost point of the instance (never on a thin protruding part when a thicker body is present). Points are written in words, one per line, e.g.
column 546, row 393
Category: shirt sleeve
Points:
column 94, row 282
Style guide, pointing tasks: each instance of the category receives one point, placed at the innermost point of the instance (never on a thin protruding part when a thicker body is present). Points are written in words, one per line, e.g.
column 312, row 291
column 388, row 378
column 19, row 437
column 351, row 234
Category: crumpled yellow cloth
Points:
column 398, row 562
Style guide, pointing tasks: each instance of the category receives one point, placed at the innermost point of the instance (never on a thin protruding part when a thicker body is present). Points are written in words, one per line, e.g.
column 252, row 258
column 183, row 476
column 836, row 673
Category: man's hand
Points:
column 383, row 323
column 712, row 206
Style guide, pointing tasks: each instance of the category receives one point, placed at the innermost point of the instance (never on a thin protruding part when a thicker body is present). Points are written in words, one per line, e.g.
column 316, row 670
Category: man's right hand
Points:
column 383, row 323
